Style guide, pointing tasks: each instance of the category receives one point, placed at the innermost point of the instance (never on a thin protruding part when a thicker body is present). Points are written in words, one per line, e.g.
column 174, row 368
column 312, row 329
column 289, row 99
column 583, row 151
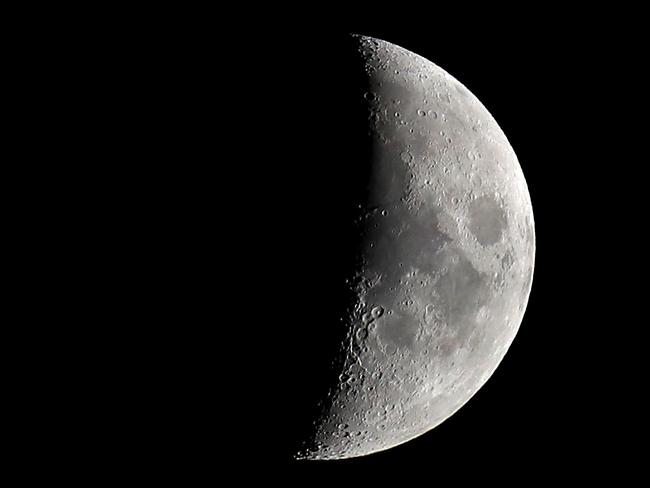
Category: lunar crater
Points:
column 446, row 262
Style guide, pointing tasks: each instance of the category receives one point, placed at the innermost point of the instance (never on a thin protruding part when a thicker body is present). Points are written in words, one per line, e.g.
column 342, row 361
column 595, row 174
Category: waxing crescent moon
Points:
column 446, row 262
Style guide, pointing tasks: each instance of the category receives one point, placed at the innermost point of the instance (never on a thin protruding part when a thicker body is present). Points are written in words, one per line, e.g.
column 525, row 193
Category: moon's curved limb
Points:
column 446, row 265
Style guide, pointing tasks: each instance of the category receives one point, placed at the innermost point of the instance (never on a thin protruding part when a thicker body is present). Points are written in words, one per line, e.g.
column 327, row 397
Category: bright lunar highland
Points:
column 446, row 260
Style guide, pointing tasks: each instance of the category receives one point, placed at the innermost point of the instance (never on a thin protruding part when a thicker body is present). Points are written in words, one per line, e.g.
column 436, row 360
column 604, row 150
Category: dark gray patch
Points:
column 388, row 174
column 402, row 239
column 398, row 330
column 506, row 263
column 396, row 97
column 486, row 220
column 461, row 292
column 419, row 145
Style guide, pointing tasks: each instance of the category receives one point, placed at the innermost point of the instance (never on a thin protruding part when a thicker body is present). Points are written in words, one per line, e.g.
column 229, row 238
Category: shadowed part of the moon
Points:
column 414, row 280
column 486, row 220
column 315, row 239
column 400, row 243
column 387, row 180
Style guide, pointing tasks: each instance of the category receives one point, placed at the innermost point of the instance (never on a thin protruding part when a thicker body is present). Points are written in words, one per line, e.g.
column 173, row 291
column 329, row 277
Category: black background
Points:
column 558, row 90
column 221, row 188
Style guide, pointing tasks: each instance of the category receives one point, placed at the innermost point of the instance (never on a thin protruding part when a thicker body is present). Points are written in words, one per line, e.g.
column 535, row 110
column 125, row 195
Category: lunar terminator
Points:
column 446, row 263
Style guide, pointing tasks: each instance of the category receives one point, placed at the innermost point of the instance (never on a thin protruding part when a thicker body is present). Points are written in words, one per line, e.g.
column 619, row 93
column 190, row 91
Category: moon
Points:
column 444, row 267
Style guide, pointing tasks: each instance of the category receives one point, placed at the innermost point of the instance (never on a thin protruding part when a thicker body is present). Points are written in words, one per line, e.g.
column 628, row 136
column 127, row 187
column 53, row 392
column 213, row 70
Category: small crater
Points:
column 362, row 334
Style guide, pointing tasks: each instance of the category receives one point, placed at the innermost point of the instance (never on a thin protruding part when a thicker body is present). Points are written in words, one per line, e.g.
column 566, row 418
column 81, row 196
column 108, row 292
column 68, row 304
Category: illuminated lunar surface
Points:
column 447, row 260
